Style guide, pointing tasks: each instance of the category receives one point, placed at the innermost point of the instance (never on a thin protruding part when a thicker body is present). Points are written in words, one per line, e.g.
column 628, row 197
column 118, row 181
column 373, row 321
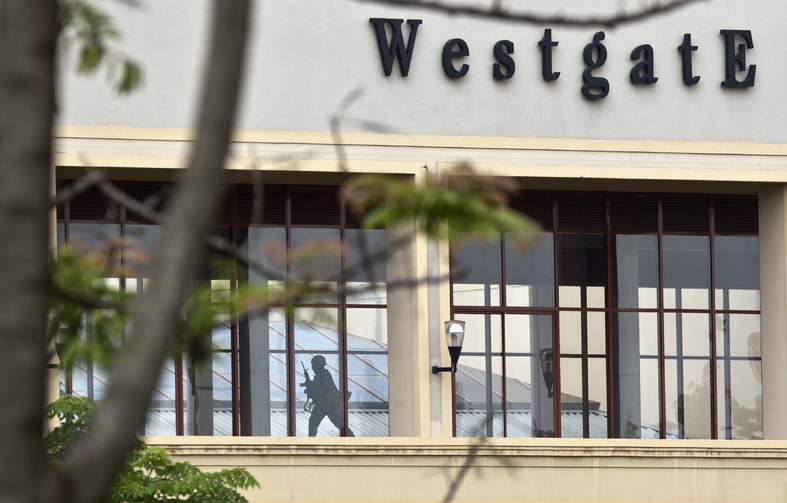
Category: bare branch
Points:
column 497, row 12
column 92, row 178
column 156, row 314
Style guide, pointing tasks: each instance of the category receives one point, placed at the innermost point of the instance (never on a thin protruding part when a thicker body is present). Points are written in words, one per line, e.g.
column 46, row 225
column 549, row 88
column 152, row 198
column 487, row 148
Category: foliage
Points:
column 149, row 474
column 92, row 30
column 446, row 207
column 83, row 294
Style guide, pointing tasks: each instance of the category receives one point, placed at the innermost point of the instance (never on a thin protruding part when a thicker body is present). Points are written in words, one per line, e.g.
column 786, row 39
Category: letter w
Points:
column 388, row 52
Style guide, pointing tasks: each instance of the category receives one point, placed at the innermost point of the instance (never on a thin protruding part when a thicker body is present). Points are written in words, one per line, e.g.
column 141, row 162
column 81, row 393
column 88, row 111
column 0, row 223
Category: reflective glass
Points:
column 635, row 271
column 746, row 399
column 737, row 265
column 140, row 244
column 319, row 370
column 635, row 375
column 365, row 266
column 367, row 372
column 477, row 272
column 530, row 273
column 686, row 272
column 316, row 257
column 209, row 403
column 582, row 266
column 160, row 418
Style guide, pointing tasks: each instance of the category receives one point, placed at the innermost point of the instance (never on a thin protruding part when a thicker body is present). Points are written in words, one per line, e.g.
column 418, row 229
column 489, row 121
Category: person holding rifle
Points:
column 324, row 397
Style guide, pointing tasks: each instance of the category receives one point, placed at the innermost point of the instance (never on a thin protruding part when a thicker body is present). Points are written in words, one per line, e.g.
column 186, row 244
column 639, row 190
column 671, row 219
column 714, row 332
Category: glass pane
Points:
column 649, row 411
column 222, row 394
column 746, row 399
column 696, row 399
column 530, row 379
column 686, row 272
column 597, row 333
column 635, row 271
column 160, row 418
column 744, row 335
column 722, row 402
column 140, row 243
column 319, row 373
column 262, row 355
column 209, row 403
column 737, row 265
column 471, row 396
column 672, row 393
column 479, row 397
column 695, row 333
column 530, row 274
column 367, row 367
column 571, row 332
column 103, row 239
column 484, row 333
column 365, row 266
column 582, row 267
column 518, row 333
column 476, row 272
column 579, row 326
column 635, row 375
column 597, row 397
column 571, row 395
column 316, row 257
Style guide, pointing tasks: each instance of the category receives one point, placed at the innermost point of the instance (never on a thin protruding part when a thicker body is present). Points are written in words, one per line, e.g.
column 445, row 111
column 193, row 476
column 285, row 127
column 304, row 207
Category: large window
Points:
column 633, row 316
column 251, row 383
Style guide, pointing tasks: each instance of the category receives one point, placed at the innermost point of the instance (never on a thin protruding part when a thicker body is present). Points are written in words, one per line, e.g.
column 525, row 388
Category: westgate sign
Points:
column 736, row 43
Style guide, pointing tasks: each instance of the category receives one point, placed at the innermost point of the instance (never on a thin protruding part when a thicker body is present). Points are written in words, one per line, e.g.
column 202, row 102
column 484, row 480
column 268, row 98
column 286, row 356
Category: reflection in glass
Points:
column 477, row 272
column 160, row 418
column 365, row 266
column 737, row 266
column 582, row 266
column 315, row 332
column 530, row 273
column 525, row 377
column 635, row 375
column 316, row 257
column 367, row 371
column 635, row 271
column 686, row 272
column 739, row 379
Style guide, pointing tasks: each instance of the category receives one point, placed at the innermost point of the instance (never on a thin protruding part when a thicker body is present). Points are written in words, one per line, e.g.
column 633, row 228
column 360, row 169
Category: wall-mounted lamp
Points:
column 454, row 337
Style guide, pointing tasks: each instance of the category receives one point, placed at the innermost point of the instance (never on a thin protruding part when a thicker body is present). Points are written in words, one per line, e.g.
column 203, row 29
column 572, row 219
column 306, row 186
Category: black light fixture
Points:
column 454, row 337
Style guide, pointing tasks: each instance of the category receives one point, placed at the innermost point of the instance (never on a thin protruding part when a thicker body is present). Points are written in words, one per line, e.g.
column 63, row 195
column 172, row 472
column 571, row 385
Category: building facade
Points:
column 636, row 352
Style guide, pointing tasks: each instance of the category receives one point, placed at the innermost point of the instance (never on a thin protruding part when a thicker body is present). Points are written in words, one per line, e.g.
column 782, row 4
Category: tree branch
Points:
column 156, row 314
column 497, row 12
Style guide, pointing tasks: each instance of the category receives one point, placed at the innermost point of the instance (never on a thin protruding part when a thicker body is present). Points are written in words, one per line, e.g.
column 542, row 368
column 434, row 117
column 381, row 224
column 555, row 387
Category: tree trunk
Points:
column 28, row 32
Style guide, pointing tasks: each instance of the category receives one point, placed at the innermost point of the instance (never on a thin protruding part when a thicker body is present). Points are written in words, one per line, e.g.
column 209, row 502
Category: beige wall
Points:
column 542, row 470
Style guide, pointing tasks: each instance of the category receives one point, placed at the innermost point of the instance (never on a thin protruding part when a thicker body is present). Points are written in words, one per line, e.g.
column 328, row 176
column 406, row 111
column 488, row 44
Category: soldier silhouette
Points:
column 324, row 397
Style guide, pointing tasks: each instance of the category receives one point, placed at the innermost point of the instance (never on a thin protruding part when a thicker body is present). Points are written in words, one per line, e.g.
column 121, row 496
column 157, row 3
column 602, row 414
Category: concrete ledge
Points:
column 555, row 470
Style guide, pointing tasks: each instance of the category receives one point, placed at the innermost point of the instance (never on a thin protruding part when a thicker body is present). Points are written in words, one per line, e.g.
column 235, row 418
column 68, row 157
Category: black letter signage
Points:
column 389, row 52
column 546, row 46
column 642, row 73
column 503, row 58
column 736, row 60
column 685, row 49
column 449, row 53
column 591, row 82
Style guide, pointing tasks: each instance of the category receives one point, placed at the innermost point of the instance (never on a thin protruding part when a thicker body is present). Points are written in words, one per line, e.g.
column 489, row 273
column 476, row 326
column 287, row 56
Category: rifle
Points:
column 306, row 384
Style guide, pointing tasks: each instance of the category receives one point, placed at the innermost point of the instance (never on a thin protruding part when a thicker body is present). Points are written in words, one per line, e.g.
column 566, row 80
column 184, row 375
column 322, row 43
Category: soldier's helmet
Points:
column 318, row 360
